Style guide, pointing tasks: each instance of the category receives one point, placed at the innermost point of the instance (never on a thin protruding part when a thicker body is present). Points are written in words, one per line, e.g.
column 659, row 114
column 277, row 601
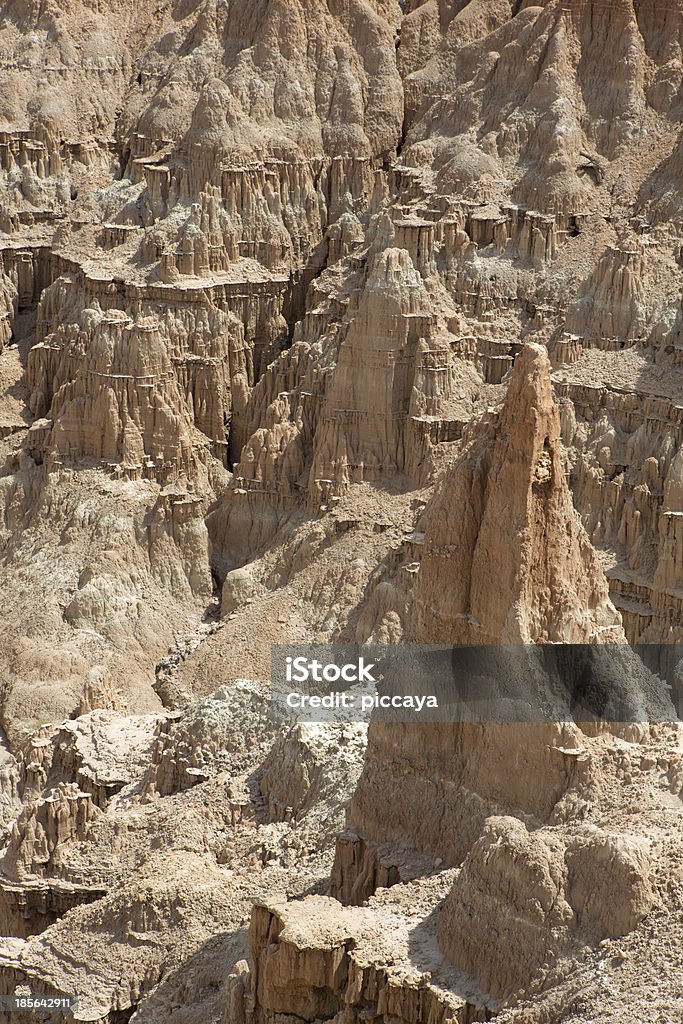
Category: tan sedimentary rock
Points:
column 391, row 365
column 623, row 866
column 41, row 829
column 175, row 520
column 457, row 775
column 345, row 234
column 509, row 229
column 275, row 430
column 529, row 70
column 190, row 748
column 506, row 558
column 476, row 584
column 11, row 791
column 134, row 933
column 611, row 311
column 536, row 887
column 214, row 366
column 104, row 752
column 624, row 481
column 8, row 303
column 272, row 457
column 296, row 774
column 205, row 349
column 429, row 789
column 29, row 267
column 365, row 386
column 122, row 579
column 205, row 324
column 230, row 171
column 517, row 879
column 123, row 405
column 312, row 960
column 208, row 241
column 37, row 756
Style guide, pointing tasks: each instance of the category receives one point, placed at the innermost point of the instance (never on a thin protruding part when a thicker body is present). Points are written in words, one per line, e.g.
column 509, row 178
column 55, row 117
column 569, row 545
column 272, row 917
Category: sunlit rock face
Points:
column 339, row 321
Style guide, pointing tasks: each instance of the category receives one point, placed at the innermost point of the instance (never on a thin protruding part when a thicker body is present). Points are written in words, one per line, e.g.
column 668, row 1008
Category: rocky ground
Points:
column 352, row 321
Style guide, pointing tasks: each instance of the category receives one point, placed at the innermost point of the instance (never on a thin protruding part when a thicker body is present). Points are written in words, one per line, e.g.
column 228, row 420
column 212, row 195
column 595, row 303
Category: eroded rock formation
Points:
column 268, row 271
column 506, row 558
column 310, row 961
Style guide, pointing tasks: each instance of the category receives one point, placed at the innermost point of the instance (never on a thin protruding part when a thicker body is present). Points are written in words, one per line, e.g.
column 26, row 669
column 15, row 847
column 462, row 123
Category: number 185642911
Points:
column 18, row 1002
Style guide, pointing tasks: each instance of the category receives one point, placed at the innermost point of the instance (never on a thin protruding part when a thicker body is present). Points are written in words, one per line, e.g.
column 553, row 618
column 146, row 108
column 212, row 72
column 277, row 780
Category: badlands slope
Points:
column 325, row 320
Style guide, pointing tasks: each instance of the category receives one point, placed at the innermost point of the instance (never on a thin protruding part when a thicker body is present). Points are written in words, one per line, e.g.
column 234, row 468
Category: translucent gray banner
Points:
column 511, row 683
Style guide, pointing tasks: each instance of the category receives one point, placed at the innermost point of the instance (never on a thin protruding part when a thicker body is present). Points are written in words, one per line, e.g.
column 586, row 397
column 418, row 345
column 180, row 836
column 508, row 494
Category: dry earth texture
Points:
column 336, row 320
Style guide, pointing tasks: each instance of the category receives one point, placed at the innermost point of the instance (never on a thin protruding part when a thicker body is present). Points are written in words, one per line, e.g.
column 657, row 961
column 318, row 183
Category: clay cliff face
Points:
column 230, row 205
column 435, row 794
column 97, row 416
column 533, row 574
column 506, row 558
column 341, row 321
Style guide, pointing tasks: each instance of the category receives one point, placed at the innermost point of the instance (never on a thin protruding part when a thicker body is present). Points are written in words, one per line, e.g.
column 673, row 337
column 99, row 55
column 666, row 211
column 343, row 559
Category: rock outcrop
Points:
column 433, row 791
column 391, row 368
column 296, row 773
column 191, row 748
column 123, row 406
column 8, row 308
column 612, row 312
column 268, row 269
column 40, row 830
column 103, row 752
column 506, row 558
column 536, row 890
column 312, row 960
